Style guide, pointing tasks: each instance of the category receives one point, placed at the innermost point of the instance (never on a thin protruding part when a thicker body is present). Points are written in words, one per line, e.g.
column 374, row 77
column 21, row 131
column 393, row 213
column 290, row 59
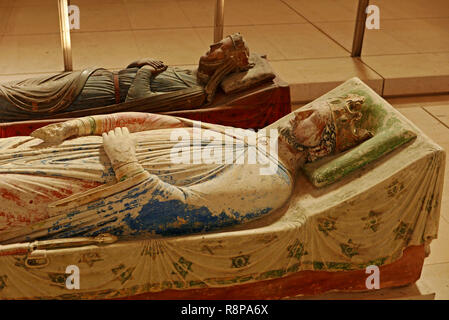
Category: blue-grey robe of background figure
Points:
column 71, row 91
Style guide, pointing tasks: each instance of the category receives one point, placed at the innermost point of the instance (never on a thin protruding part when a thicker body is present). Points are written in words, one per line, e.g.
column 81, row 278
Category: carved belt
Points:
column 116, row 87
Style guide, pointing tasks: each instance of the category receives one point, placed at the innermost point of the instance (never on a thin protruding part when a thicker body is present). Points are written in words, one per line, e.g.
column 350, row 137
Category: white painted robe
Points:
column 167, row 199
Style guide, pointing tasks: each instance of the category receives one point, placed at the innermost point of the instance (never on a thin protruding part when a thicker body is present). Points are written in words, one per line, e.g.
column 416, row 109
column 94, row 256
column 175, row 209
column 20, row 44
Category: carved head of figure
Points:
column 326, row 127
column 228, row 55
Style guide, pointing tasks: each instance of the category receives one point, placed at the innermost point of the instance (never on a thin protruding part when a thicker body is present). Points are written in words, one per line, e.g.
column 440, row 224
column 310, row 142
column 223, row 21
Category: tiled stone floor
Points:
column 308, row 42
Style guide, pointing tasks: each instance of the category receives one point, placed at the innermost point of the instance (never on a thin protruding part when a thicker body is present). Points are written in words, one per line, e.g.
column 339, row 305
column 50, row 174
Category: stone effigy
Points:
column 367, row 205
column 155, row 86
column 214, row 177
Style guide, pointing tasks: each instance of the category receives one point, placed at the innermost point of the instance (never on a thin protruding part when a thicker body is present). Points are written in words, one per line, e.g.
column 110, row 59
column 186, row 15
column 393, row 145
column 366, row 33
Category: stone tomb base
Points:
column 404, row 271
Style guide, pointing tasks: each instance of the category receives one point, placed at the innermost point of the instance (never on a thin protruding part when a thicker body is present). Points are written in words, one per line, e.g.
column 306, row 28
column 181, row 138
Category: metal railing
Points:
column 219, row 20
column 64, row 28
column 359, row 31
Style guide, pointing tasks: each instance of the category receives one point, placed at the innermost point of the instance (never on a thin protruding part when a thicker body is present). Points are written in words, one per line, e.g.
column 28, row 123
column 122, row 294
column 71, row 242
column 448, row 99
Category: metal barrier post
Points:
column 219, row 20
column 359, row 32
column 64, row 29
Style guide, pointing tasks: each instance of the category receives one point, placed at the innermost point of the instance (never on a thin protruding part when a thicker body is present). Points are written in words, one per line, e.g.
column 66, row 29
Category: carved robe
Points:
column 168, row 199
column 39, row 98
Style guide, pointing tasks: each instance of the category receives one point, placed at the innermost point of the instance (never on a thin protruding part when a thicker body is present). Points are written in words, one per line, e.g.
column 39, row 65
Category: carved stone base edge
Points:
column 404, row 271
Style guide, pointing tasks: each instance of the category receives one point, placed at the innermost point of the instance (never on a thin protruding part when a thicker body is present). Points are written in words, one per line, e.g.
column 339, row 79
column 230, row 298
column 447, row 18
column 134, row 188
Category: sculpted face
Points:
column 233, row 47
column 217, row 51
column 327, row 127
column 308, row 124
column 347, row 115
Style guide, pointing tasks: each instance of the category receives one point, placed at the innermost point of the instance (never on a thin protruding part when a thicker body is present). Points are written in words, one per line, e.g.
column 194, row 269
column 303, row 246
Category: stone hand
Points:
column 119, row 146
column 121, row 151
column 56, row 132
column 156, row 65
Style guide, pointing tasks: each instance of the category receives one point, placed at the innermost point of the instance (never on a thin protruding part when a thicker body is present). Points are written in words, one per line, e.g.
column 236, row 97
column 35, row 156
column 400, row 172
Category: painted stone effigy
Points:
column 212, row 178
column 147, row 83
column 360, row 207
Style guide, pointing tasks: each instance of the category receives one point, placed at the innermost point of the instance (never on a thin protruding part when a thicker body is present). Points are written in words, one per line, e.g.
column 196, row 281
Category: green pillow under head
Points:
column 379, row 117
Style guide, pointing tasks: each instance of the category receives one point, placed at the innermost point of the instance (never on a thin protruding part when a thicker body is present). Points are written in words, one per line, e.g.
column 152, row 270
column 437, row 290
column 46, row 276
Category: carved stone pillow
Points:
column 239, row 81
